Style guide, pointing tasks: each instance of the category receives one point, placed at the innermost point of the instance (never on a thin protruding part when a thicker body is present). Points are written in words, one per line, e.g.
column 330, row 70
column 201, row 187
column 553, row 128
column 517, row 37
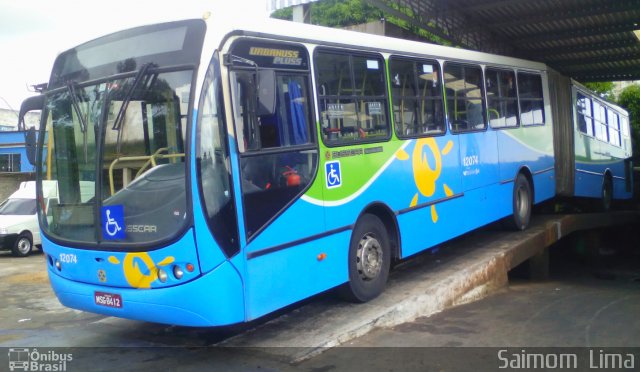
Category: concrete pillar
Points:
column 301, row 13
column 539, row 265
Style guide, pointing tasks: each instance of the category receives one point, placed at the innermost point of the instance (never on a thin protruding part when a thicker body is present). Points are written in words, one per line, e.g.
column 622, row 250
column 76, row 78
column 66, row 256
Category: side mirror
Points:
column 30, row 104
column 30, row 142
column 266, row 92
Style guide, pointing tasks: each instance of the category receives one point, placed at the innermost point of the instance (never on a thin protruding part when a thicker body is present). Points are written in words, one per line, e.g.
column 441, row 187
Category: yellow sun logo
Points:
column 140, row 277
column 424, row 173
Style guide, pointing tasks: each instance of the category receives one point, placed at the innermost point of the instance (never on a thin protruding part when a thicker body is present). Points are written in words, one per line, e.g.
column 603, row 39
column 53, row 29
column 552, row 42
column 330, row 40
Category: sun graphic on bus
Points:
column 424, row 174
column 139, row 268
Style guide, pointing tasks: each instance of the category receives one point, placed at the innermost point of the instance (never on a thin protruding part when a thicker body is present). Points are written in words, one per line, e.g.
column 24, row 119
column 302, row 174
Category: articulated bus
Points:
column 239, row 168
column 603, row 165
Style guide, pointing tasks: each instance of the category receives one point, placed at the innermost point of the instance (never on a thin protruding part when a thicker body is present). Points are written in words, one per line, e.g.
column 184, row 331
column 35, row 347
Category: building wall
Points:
column 9, row 119
column 9, row 182
column 13, row 143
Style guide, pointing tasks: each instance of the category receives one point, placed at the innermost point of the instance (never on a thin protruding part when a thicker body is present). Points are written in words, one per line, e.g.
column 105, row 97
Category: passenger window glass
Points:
column 624, row 125
column 351, row 97
column 502, row 98
column 600, row 121
column 614, row 128
column 417, row 97
column 585, row 114
column 465, row 99
column 213, row 165
column 531, row 99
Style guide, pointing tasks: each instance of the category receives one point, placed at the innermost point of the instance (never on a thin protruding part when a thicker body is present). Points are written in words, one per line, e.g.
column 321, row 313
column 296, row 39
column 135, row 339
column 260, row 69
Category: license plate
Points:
column 108, row 299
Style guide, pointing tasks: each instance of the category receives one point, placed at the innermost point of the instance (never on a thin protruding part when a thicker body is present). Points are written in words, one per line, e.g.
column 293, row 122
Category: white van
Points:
column 19, row 229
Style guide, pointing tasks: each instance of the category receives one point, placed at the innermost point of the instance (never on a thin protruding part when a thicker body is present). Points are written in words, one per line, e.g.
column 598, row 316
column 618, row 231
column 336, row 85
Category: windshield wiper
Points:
column 75, row 103
column 119, row 121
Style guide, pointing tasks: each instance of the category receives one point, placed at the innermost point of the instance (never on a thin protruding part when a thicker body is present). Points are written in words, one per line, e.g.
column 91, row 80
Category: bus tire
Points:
column 369, row 260
column 522, row 204
column 606, row 196
column 22, row 246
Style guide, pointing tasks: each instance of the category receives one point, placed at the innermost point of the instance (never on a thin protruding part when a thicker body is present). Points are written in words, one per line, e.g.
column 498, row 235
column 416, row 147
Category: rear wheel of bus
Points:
column 606, row 196
column 522, row 204
column 369, row 260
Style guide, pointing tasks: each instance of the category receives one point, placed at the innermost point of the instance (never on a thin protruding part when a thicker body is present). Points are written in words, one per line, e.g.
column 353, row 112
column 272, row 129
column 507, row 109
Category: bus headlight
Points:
column 177, row 272
column 162, row 275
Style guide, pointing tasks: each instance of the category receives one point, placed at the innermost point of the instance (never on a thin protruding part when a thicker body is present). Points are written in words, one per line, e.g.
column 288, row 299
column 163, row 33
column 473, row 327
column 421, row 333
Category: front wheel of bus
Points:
column 369, row 260
column 522, row 203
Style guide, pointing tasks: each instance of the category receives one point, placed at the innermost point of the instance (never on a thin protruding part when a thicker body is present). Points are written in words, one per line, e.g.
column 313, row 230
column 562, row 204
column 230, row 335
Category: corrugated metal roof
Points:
column 589, row 40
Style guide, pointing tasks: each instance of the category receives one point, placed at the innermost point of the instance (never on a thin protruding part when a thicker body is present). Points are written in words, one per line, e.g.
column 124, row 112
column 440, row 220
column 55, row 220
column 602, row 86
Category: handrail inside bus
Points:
column 150, row 159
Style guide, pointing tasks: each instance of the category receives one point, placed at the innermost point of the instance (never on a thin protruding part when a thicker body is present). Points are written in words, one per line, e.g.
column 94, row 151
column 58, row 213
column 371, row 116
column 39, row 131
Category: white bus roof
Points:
column 218, row 28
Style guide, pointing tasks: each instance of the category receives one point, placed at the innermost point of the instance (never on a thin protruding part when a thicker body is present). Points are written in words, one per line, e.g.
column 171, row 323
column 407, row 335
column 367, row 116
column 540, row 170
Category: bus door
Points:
column 479, row 164
column 278, row 155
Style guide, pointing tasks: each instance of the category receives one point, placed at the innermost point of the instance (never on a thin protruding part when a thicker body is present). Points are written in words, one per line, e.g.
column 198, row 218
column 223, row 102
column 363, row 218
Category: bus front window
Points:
column 119, row 143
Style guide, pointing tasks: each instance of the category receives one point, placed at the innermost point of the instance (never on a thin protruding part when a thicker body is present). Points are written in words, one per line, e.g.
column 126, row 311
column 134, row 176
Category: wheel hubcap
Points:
column 24, row 246
column 522, row 202
column 369, row 257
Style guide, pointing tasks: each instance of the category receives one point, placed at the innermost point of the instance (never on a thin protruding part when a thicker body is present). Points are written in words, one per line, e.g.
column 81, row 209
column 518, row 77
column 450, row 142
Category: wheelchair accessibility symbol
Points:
column 113, row 222
column 333, row 174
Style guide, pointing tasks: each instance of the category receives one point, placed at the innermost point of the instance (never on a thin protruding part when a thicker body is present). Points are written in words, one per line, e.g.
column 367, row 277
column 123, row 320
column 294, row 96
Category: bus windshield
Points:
column 116, row 146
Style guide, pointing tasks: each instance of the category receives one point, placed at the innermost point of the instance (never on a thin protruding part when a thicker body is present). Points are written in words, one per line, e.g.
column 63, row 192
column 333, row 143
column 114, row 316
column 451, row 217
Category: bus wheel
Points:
column 606, row 198
column 22, row 246
column 522, row 204
column 369, row 260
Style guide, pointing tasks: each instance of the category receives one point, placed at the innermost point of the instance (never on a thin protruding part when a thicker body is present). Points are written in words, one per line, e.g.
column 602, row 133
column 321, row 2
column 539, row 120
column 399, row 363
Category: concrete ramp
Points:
column 462, row 270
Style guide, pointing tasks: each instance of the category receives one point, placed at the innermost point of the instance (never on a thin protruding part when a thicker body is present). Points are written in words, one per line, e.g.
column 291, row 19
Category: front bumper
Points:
column 6, row 240
column 214, row 299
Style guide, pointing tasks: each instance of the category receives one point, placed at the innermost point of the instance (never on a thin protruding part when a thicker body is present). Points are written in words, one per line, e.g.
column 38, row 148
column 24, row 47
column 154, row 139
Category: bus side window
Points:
column 351, row 97
column 416, row 95
column 585, row 114
column 465, row 97
column 531, row 99
column 502, row 99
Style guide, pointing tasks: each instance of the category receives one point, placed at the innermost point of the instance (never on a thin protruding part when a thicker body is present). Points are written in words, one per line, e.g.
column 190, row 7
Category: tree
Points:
column 630, row 99
column 336, row 13
column 342, row 13
column 603, row 88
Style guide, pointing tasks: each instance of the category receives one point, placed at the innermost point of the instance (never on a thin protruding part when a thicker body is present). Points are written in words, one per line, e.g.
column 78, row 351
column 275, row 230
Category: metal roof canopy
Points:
column 589, row 40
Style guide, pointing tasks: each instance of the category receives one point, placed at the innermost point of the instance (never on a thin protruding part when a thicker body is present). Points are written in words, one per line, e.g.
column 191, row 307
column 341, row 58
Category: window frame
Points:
column 350, row 53
column 591, row 116
column 418, row 98
column 503, row 99
column 520, row 99
column 483, row 97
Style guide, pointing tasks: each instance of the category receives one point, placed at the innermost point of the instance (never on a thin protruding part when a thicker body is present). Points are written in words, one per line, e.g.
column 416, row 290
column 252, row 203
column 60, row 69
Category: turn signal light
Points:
column 322, row 256
column 190, row 267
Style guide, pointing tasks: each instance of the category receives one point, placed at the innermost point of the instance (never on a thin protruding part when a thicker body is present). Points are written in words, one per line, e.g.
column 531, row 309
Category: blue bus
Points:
column 238, row 167
column 603, row 167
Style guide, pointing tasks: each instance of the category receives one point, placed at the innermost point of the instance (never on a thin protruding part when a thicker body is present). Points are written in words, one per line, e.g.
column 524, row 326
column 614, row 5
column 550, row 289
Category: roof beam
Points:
column 576, row 32
column 608, row 75
column 547, row 53
column 609, row 57
column 492, row 4
column 436, row 31
column 555, row 15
